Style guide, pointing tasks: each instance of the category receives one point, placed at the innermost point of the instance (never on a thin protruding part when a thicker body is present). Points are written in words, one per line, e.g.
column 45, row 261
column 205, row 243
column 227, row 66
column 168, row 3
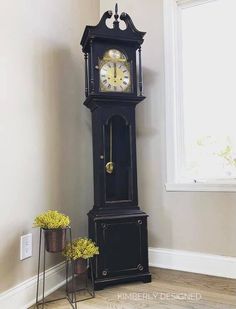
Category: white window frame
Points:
column 173, row 100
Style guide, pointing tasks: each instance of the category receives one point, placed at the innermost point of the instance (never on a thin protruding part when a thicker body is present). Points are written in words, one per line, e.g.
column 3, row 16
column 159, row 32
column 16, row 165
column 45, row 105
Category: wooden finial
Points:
column 116, row 12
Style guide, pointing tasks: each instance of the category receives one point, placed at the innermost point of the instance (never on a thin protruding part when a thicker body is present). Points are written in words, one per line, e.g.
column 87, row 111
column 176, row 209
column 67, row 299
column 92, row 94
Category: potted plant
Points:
column 80, row 250
column 54, row 225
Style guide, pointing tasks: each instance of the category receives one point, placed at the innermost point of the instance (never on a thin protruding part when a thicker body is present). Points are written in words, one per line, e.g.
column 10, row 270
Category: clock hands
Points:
column 110, row 164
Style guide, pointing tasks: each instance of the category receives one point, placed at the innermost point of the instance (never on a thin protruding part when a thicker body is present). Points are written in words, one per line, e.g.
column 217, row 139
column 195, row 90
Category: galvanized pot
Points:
column 55, row 240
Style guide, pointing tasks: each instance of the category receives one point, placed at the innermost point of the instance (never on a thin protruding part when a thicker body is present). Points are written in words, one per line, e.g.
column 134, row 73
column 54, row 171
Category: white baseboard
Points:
column 208, row 264
column 22, row 296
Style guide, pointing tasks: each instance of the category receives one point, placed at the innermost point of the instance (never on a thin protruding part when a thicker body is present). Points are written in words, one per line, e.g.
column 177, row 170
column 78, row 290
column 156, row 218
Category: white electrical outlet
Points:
column 25, row 246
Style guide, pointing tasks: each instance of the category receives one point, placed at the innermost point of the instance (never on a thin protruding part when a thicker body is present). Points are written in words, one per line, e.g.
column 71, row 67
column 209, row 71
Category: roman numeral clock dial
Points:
column 114, row 72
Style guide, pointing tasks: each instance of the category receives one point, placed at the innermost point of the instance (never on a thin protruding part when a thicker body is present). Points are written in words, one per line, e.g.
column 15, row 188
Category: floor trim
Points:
column 195, row 262
column 22, row 296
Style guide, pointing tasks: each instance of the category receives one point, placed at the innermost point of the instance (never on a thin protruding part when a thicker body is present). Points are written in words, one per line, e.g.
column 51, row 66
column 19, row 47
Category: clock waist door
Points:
column 115, row 157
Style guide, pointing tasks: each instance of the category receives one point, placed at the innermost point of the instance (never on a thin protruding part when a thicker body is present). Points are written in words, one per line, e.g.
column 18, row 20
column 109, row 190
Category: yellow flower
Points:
column 81, row 248
column 52, row 219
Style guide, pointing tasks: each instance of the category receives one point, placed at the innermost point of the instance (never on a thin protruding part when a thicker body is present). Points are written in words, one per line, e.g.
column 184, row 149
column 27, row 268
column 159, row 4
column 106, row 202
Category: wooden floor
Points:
column 168, row 290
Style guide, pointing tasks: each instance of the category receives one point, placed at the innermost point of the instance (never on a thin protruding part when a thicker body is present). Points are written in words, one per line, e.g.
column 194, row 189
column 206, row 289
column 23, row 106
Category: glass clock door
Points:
column 118, row 180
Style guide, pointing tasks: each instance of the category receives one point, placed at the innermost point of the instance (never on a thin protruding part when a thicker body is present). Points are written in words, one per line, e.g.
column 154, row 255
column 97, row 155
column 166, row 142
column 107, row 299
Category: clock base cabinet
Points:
column 123, row 249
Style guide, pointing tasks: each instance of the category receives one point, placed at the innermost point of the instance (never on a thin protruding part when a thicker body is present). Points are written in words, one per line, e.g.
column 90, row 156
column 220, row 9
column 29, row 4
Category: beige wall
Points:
column 202, row 222
column 45, row 134
column 45, row 131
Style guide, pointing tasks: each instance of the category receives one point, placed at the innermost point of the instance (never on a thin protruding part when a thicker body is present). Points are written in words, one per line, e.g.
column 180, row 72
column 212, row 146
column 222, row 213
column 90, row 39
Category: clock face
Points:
column 114, row 72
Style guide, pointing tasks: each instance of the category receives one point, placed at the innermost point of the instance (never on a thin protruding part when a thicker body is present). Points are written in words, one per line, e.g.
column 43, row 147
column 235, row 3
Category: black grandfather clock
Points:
column 113, row 88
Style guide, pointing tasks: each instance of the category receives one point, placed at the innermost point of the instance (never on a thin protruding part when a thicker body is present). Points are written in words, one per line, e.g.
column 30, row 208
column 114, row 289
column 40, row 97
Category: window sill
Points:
column 200, row 187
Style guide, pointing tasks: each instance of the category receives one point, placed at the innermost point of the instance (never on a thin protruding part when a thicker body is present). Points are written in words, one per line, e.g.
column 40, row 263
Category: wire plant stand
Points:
column 72, row 288
column 75, row 288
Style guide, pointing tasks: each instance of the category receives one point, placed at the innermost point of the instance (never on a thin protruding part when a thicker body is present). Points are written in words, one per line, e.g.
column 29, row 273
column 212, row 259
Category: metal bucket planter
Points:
column 80, row 266
column 55, row 240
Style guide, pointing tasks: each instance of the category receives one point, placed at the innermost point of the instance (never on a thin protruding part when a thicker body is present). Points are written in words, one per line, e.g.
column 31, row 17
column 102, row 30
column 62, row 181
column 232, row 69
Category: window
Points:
column 200, row 50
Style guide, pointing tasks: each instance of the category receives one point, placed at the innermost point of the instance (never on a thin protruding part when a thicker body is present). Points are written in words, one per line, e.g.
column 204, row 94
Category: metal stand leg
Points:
column 39, row 256
column 72, row 299
column 92, row 276
column 67, row 274
column 44, row 255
